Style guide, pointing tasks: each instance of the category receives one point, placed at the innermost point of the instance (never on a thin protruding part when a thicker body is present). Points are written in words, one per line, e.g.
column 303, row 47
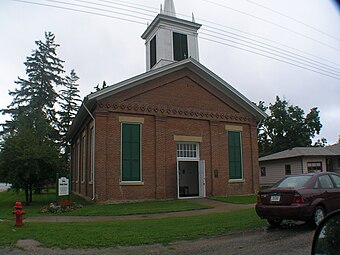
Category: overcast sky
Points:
column 99, row 48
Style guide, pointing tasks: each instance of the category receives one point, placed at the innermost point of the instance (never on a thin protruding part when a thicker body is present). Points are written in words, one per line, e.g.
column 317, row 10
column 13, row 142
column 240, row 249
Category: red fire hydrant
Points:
column 18, row 213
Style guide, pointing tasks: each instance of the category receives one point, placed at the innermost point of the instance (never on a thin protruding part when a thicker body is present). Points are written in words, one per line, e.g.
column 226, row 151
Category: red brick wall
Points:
column 183, row 104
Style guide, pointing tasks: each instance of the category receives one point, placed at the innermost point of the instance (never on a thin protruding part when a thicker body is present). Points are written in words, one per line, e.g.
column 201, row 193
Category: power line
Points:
column 270, row 47
column 133, row 5
column 272, row 23
column 260, row 54
column 81, row 11
column 148, row 9
column 111, row 7
column 275, row 56
column 326, row 71
column 95, row 8
column 296, row 20
column 267, row 46
column 278, row 43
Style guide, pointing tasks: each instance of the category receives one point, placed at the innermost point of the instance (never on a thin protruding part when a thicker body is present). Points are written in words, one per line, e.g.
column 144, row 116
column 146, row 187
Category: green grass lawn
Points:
column 7, row 200
column 134, row 232
column 250, row 199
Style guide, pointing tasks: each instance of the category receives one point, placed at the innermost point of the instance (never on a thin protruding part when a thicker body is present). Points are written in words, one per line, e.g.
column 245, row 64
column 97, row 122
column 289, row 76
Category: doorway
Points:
column 191, row 178
column 190, row 171
column 188, row 179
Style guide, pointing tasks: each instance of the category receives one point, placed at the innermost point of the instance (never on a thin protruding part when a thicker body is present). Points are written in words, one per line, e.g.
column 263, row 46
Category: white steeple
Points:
column 169, row 8
column 169, row 39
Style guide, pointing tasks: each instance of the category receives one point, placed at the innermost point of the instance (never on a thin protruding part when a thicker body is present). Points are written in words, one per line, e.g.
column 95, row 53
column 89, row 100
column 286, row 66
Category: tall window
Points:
column 288, row 170
column 153, row 52
column 91, row 147
column 78, row 161
column 131, row 152
column 180, row 44
column 235, row 155
column 83, row 156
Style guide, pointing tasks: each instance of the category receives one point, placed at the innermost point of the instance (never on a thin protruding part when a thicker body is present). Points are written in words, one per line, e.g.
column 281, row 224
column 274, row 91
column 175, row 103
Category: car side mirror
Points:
column 326, row 239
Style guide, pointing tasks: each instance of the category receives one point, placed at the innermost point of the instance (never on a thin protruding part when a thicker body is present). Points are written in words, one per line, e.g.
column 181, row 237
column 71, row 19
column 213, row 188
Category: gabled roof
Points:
column 301, row 152
column 193, row 65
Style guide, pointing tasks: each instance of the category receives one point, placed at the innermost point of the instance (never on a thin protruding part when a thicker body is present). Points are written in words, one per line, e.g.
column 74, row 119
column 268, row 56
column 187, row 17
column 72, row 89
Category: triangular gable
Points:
column 194, row 66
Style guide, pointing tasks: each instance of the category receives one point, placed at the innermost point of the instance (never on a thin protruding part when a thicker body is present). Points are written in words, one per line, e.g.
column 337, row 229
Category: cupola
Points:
column 169, row 39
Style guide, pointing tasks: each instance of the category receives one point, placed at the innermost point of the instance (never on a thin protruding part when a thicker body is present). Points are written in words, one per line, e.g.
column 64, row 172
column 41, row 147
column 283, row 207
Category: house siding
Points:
column 336, row 164
column 276, row 170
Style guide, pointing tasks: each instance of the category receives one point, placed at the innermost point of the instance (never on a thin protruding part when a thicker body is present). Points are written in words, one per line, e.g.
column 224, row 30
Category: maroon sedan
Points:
column 307, row 197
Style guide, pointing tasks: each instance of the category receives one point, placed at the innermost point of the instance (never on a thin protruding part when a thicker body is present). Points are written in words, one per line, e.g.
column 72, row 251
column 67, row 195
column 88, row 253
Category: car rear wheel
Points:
column 318, row 215
column 275, row 223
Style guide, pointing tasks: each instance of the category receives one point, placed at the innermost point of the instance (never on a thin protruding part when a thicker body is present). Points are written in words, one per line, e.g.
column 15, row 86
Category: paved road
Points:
column 295, row 240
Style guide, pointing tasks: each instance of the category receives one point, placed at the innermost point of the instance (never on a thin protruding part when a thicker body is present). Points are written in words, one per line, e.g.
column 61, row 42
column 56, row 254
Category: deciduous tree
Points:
column 287, row 127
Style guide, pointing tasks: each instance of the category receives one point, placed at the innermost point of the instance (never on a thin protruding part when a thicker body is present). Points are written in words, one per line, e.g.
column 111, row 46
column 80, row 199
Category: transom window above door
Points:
column 188, row 150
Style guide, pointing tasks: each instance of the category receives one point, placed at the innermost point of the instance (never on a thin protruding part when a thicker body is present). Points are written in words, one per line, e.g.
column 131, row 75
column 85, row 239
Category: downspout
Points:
column 93, row 154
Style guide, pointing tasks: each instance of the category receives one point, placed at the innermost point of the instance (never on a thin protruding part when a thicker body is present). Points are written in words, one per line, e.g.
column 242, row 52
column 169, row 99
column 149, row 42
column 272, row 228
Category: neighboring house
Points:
column 175, row 131
column 299, row 160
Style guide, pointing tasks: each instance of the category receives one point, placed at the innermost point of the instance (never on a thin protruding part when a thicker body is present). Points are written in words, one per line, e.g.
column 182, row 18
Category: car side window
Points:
column 336, row 180
column 326, row 182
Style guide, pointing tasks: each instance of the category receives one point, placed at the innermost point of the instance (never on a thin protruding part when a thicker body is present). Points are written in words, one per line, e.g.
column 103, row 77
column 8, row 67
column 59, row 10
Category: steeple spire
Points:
column 169, row 8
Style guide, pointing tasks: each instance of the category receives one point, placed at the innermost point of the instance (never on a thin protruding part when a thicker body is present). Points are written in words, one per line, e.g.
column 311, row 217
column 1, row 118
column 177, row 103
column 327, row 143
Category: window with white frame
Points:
column 188, row 150
column 314, row 167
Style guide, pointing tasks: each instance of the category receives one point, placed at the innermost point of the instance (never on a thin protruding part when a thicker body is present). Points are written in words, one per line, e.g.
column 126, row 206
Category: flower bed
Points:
column 61, row 207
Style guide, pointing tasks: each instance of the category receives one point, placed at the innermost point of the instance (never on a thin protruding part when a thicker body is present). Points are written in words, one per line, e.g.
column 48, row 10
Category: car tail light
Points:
column 298, row 199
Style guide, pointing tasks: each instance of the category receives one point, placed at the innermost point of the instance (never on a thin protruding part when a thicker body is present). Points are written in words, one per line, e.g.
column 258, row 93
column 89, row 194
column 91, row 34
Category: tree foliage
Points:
column 28, row 159
column 37, row 92
column 287, row 127
column 69, row 105
column 32, row 140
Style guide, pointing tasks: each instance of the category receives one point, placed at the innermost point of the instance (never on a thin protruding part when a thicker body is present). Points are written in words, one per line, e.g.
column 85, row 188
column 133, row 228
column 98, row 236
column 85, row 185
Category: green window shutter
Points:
column 180, row 46
column 153, row 52
column 235, row 155
column 131, row 152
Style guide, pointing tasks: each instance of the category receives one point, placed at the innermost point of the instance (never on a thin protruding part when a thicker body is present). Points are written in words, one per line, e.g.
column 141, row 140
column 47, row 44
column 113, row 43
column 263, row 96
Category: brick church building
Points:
column 176, row 131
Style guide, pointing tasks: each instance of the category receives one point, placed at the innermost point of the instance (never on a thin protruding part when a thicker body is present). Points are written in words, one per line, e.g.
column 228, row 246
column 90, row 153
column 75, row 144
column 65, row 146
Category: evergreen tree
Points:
column 30, row 151
column 69, row 105
column 286, row 127
column 37, row 93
